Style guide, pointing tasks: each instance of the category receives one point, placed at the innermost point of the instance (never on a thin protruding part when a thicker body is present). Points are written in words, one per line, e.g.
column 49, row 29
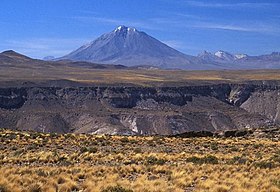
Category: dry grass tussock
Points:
column 34, row 162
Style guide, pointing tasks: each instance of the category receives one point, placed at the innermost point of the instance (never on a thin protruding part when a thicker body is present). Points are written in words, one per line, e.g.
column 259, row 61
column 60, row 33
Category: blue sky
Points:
column 40, row 28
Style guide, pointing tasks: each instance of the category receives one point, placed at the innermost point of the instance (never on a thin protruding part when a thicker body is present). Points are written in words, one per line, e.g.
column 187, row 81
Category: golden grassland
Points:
column 49, row 162
column 142, row 77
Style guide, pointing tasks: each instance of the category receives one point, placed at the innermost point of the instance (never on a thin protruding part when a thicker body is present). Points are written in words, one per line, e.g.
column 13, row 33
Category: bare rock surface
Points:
column 140, row 110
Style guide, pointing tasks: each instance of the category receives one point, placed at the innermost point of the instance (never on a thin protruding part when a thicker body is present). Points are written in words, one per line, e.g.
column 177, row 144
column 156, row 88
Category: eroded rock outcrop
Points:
column 140, row 110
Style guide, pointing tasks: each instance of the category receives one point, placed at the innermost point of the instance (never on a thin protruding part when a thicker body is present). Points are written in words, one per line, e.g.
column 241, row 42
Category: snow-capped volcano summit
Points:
column 131, row 47
column 123, row 28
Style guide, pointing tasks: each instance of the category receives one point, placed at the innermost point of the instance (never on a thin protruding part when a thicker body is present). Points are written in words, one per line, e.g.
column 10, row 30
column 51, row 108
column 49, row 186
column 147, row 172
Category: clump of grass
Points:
column 124, row 140
column 151, row 160
column 238, row 160
column 35, row 188
column 70, row 186
column 116, row 189
column 264, row 164
column 138, row 150
column 4, row 188
column 276, row 183
column 209, row 159
column 276, row 157
column 80, row 162
column 214, row 146
column 88, row 149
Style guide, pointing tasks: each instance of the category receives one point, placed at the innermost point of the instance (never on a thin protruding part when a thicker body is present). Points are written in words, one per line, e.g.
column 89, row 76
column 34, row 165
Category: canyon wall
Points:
column 140, row 110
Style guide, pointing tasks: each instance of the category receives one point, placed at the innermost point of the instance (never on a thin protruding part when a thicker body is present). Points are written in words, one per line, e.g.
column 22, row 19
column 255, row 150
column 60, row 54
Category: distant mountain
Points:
column 225, row 56
column 240, row 56
column 127, row 47
column 12, row 59
column 241, row 61
column 130, row 47
column 12, row 56
column 221, row 56
column 48, row 58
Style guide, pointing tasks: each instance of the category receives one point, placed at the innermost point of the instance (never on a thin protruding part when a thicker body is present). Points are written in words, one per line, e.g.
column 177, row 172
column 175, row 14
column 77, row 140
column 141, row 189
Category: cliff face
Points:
column 139, row 110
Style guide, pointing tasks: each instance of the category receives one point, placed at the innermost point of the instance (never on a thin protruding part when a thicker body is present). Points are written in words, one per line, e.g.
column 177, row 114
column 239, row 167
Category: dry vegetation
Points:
column 50, row 162
column 144, row 77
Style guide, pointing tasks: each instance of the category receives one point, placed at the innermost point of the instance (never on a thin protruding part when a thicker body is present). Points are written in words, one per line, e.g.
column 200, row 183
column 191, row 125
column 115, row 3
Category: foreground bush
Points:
column 210, row 159
column 116, row 189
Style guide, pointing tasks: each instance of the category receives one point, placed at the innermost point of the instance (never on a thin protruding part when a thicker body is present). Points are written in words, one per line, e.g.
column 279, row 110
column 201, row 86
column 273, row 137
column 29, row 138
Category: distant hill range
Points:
column 242, row 61
column 130, row 47
column 127, row 47
column 11, row 58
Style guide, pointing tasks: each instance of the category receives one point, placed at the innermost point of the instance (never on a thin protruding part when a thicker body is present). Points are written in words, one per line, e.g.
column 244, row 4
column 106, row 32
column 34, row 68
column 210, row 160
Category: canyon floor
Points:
column 32, row 161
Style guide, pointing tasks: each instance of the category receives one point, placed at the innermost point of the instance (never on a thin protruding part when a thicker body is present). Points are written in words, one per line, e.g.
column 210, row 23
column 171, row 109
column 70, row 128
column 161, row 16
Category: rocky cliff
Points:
column 140, row 110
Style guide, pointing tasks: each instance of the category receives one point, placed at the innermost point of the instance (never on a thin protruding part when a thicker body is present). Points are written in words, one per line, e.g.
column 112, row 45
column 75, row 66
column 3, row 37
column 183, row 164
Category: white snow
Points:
column 240, row 56
column 118, row 28
column 219, row 54
column 224, row 55
column 127, row 28
column 131, row 29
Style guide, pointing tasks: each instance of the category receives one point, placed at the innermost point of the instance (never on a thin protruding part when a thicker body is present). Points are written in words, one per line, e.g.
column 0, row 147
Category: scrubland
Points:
column 139, row 77
column 50, row 162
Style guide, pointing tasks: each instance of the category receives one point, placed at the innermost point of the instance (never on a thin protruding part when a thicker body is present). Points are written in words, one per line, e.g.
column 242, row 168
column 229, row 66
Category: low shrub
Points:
column 276, row 183
column 209, row 159
column 154, row 161
column 239, row 160
column 264, row 164
column 116, row 189
column 214, row 146
column 4, row 188
column 88, row 149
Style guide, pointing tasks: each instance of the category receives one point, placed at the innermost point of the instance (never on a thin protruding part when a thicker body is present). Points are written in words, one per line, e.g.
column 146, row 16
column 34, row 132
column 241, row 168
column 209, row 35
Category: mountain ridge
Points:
column 126, row 46
column 130, row 47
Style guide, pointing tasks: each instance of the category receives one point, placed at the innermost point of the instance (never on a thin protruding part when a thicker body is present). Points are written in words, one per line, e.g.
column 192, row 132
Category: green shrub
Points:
column 276, row 183
column 88, row 149
column 35, row 188
column 4, row 188
column 18, row 152
column 124, row 140
column 276, row 157
column 83, row 149
column 137, row 150
column 193, row 159
column 31, row 147
column 239, row 160
column 92, row 149
column 214, row 146
column 234, row 148
column 209, row 159
column 116, row 189
column 264, row 164
column 11, row 136
column 154, row 161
